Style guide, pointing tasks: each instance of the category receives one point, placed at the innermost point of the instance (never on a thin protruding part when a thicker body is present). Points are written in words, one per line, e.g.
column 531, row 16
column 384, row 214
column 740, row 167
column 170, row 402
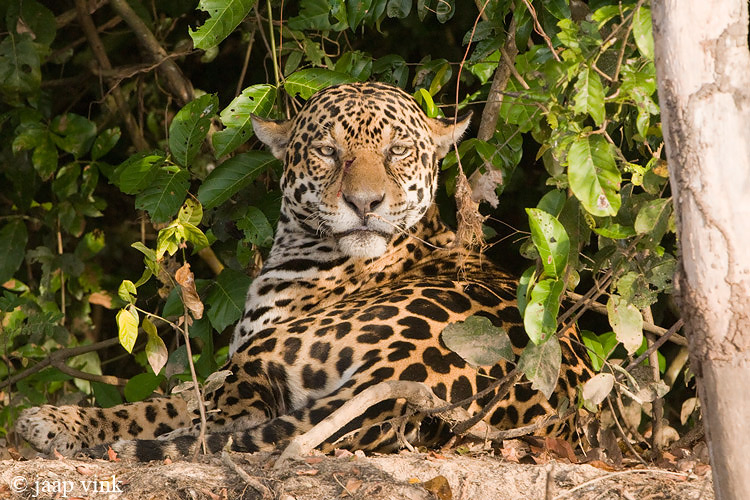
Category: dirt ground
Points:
column 407, row 476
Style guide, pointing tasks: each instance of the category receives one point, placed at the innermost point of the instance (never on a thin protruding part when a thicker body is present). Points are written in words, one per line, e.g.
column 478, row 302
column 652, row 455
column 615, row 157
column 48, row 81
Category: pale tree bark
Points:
column 703, row 71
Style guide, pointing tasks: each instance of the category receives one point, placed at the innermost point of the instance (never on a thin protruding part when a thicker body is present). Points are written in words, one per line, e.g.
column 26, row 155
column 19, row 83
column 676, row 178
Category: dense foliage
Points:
column 127, row 153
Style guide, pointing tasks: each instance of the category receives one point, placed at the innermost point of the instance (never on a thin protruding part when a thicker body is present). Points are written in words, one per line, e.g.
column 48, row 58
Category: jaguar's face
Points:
column 361, row 163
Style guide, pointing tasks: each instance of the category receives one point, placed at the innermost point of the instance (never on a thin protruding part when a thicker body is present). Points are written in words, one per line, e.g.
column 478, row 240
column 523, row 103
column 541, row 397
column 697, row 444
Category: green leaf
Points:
column 256, row 227
column 522, row 294
column 424, row 98
column 551, row 240
column 478, row 341
column 13, row 238
column 191, row 212
column 356, row 11
column 226, row 298
column 593, row 175
column 127, row 291
column 225, row 16
column 653, row 216
column 20, row 71
column 615, row 231
column 138, row 172
column 127, row 327
column 307, row 82
column 45, row 159
column 73, row 133
column 398, row 8
column 156, row 351
column 66, row 181
column 626, row 321
column 195, row 236
column 541, row 365
column 142, row 386
column 190, row 126
column 553, row 202
column 540, row 316
column 106, row 395
column 599, row 347
column 315, row 15
column 233, row 175
column 165, row 195
column 105, row 142
column 642, row 32
column 35, row 18
column 254, row 100
column 589, row 96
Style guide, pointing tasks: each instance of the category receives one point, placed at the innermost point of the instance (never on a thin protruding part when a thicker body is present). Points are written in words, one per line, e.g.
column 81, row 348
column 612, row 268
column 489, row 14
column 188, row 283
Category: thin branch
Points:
column 178, row 85
column 600, row 308
column 666, row 335
column 491, row 112
column 97, row 48
column 538, row 28
column 194, row 376
column 246, row 61
column 59, row 355
column 265, row 493
column 622, row 433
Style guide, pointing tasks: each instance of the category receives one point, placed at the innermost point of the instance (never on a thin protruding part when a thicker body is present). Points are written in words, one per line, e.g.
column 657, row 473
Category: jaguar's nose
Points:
column 363, row 203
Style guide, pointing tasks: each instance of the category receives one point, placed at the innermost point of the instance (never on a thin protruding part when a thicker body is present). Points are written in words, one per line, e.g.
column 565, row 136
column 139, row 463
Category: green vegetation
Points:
column 127, row 154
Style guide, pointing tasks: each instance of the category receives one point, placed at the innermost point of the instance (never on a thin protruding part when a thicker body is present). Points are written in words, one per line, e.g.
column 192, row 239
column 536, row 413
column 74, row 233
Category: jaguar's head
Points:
column 360, row 163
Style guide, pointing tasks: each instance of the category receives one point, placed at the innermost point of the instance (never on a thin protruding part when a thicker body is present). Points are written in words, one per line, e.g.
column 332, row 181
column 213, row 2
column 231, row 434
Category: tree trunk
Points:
column 703, row 71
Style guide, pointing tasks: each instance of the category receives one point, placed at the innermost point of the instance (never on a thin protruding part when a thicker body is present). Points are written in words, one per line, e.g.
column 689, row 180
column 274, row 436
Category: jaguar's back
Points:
column 360, row 282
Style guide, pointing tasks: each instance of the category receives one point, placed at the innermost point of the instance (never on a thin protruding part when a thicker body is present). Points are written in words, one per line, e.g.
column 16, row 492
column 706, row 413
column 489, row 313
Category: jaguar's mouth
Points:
column 362, row 231
column 363, row 243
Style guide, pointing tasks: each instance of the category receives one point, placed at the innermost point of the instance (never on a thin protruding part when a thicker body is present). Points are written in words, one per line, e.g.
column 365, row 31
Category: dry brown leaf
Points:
column 101, row 299
column 167, row 461
column 14, row 454
column 313, row 460
column 351, row 486
column 190, row 298
column 439, row 487
column 85, row 471
column 58, row 455
column 112, row 455
column 561, row 448
column 307, row 472
column 601, row 465
column 339, row 453
column 434, row 454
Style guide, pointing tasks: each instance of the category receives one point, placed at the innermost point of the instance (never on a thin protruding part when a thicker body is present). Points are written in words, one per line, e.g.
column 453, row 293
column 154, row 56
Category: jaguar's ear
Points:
column 445, row 132
column 273, row 133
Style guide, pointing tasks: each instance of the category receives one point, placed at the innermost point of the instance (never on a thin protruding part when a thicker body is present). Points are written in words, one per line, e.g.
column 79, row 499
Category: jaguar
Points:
column 362, row 278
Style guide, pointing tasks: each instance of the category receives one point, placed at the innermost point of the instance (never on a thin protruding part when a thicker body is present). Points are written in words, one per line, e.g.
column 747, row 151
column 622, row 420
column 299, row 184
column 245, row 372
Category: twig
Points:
column 97, row 48
column 625, row 42
column 622, row 433
column 538, row 28
column 491, row 111
column 246, row 61
column 104, row 379
column 273, row 44
column 417, row 395
column 667, row 335
column 265, row 493
column 615, row 474
column 60, row 354
column 647, row 326
column 179, row 86
column 196, row 385
column 508, row 381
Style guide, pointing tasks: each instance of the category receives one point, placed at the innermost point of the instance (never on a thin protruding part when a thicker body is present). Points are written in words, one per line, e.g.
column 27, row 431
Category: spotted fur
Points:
column 360, row 282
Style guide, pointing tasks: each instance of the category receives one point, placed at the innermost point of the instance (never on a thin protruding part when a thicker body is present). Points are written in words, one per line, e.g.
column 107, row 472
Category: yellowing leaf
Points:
column 156, row 351
column 127, row 326
column 598, row 387
column 626, row 321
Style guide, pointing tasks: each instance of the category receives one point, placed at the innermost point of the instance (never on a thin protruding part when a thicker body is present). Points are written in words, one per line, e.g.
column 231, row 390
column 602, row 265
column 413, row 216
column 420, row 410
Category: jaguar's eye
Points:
column 326, row 151
column 399, row 150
